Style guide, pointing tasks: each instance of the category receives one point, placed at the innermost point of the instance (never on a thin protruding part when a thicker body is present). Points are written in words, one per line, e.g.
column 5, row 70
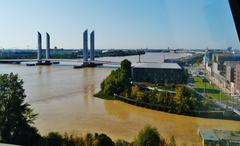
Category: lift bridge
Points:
column 76, row 63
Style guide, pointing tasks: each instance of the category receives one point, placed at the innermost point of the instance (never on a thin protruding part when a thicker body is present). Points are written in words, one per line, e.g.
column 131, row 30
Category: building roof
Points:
column 216, row 135
column 157, row 65
column 208, row 134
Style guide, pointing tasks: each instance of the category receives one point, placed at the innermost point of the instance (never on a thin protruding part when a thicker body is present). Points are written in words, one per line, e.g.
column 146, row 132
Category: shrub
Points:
column 103, row 140
column 120, row 142
column 148, row 136
column 54, row 139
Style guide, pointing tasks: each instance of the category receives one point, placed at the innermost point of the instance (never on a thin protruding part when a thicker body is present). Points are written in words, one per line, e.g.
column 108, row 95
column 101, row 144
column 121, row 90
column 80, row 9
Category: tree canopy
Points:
column 148, row 136
column 16, row 116
column 118, row 80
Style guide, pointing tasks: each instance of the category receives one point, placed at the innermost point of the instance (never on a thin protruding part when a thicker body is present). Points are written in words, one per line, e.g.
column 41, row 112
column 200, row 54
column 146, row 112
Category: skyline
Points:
column 119, row 24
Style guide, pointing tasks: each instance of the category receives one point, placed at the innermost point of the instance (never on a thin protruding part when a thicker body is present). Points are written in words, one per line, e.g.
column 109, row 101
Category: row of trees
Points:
column 182, row 102
column 148, row 136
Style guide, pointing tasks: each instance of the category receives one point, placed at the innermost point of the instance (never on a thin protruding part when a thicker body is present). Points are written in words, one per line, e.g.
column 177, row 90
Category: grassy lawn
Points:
column 211, row 90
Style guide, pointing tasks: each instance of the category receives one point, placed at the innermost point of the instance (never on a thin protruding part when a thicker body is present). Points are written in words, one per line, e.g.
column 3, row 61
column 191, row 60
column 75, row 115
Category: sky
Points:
column 118, row 23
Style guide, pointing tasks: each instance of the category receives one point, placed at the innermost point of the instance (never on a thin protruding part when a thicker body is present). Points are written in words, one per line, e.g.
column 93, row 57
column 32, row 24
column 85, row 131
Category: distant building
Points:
column 237, row 80
column 158, row 73
column 222, row 70
column 215, row 68
column 230, row 78
column 212, row 137
column 218, row 60
column 221, row 57
column 230, row 73
column 13, row 54
column 230, row 67
column 63, row 51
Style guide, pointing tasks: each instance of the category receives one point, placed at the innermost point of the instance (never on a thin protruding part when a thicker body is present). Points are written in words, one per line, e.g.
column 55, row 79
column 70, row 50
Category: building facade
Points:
column 237, row 80
column 163, row 73
column 213, row 137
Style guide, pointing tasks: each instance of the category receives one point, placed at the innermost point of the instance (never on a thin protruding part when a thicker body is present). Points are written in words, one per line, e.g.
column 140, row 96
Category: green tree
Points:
column 134, row 91
column 54, row 139
column 88, row 139
column 120, row 142
column 103, row 140
column 148, row 136
column 185, row 75
column 172, row 141
column 126, row 67
column 71, row 140
column 185, row 101
column 118, row 80
column 16, row 116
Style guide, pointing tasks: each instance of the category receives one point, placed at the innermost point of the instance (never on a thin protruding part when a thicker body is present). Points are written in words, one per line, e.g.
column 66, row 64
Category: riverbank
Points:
column 219, row 114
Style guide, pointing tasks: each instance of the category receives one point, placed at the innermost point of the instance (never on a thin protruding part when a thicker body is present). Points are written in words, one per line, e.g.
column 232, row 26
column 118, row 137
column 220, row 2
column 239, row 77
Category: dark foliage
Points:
column 16, row 116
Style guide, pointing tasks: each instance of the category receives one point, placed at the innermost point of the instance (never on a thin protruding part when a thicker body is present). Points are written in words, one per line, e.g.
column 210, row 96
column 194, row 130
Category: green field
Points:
column 211, row 90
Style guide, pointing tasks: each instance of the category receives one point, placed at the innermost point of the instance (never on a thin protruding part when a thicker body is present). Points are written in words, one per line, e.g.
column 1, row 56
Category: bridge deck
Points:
column 18, row 61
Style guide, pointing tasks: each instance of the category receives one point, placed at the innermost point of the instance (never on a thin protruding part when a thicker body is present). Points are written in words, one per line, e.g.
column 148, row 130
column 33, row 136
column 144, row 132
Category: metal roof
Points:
column 216, row 135
column 208, row 134
column 157, row 65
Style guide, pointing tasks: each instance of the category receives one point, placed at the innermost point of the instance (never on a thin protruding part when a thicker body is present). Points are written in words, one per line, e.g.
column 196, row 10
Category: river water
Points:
column 63, row 98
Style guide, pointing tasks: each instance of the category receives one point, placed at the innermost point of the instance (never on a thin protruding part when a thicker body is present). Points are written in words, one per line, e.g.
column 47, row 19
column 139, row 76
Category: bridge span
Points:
column 55, row 61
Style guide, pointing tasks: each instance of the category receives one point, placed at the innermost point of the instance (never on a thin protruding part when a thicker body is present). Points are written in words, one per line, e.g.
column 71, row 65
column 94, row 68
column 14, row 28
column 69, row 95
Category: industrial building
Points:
column 237, row 78
column 212, row 137
column 163, row 73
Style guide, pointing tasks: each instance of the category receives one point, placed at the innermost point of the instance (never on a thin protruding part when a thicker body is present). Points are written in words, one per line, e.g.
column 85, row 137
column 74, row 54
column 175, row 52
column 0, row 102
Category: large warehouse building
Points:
column 164, row 73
